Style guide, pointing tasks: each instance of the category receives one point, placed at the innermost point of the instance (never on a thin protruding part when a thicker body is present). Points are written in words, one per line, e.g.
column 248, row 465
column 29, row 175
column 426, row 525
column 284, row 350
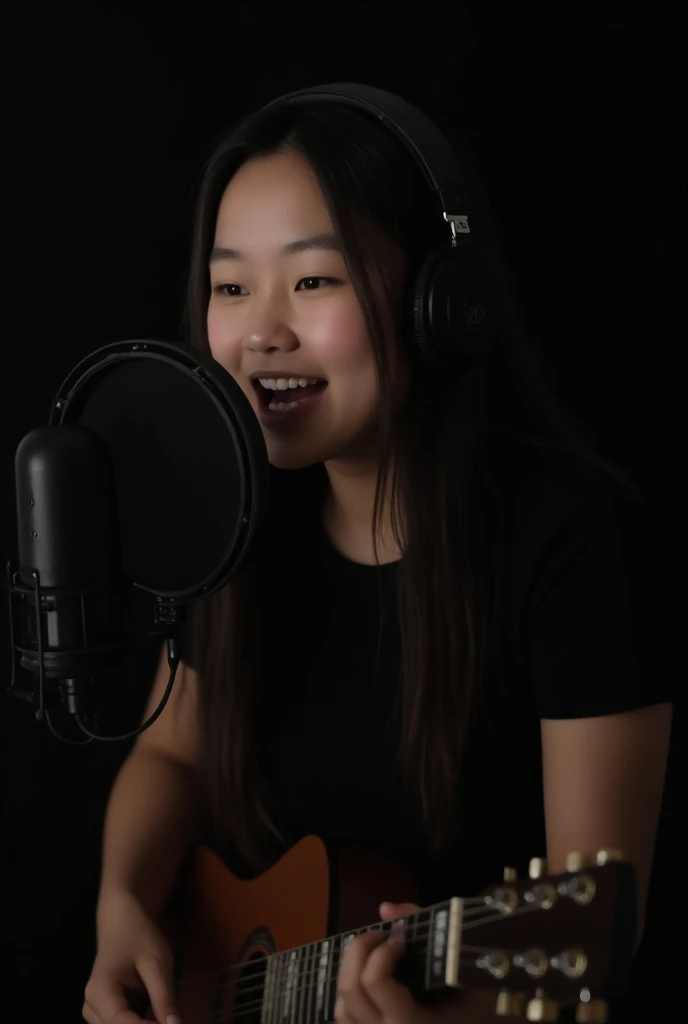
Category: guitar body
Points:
column 222, row 921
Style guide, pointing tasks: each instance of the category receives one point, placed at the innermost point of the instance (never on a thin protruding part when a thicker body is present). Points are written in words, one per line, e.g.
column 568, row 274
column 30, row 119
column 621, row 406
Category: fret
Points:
column 312, row 1014
column 302, row 987
column 439, row 944
column 313, row 977
column 266, row 1007
column 291, row 973
column 428, row 947
column 332, row 974
column 286, row 986
column 280, row 988
column 322, row 978
column 299, row 994
column 297, row 998
column 305, row 986
column 275, row 989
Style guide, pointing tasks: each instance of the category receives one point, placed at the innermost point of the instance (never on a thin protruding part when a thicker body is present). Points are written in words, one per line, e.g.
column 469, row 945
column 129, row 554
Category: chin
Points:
column 313, row 444
column 292, row 455
column 291, row 461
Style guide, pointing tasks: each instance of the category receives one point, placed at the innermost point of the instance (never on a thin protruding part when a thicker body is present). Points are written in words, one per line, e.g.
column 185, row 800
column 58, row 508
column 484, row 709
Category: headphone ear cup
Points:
column 452, row 312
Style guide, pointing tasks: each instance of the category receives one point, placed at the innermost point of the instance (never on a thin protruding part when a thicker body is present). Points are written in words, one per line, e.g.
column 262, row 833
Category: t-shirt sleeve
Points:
column 597, row 619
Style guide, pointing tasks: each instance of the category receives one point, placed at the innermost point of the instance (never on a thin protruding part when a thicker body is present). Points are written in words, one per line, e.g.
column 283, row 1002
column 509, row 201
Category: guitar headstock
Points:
column 552, row 940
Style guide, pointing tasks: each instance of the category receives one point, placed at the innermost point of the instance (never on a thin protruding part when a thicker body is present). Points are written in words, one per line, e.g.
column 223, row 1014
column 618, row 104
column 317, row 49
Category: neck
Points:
column 301, row 983
column 349, row 513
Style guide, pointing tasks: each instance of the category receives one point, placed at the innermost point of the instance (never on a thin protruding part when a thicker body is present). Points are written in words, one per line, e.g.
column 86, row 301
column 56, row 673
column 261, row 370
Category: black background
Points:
column 110, row 111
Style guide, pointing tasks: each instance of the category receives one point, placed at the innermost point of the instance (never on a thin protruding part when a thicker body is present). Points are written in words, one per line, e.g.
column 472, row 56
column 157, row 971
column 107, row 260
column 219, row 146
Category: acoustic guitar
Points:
column 267, row 951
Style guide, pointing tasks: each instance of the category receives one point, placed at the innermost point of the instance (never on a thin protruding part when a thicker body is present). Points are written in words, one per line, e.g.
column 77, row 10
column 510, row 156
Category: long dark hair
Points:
column 434, row 473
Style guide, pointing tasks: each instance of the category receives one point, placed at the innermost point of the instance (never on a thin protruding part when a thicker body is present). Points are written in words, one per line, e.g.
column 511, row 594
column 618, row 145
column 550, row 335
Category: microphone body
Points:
column 69, row 583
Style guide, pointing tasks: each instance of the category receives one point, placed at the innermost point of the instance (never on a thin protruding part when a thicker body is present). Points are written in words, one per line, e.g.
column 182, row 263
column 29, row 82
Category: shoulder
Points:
column 586, row 584
column 573, row 535
column 533, row 474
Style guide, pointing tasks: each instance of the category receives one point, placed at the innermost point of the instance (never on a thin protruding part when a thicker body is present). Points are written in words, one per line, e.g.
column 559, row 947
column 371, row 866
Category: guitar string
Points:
column 310, row 975
column 260, row 1004
column 271, row 1001
column 471, row 953
column 417, row 933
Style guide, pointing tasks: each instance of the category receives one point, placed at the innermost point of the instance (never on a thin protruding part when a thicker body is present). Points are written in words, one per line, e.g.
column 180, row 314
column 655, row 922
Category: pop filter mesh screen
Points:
column 179, row 475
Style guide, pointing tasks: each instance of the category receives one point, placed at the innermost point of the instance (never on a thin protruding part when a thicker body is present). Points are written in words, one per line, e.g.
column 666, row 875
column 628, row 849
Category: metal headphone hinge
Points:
column 458, row 223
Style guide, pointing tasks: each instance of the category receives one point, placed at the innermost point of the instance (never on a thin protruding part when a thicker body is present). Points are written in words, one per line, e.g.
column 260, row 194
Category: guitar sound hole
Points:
column 240, row 992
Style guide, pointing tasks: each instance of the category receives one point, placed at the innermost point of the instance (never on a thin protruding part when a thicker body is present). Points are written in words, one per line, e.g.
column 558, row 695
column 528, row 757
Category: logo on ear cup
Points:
column 473, row 315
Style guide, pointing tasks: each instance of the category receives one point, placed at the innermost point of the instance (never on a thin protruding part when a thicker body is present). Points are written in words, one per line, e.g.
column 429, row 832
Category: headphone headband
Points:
column 418, row 134
column 450, row 302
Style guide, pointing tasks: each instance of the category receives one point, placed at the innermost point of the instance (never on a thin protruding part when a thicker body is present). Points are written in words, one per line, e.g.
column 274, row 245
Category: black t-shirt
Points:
column 580, row 634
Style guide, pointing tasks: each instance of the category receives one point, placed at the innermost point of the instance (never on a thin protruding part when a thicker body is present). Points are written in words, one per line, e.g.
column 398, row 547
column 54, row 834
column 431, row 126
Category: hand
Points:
column 366, row 989
column 133, row 960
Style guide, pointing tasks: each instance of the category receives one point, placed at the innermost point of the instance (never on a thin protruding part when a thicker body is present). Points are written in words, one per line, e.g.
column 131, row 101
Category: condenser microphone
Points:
column 72, row 614
column 152, row 475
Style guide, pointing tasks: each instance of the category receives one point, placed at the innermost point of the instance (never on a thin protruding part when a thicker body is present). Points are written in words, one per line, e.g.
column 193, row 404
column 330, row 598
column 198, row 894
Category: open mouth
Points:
column 285, row 394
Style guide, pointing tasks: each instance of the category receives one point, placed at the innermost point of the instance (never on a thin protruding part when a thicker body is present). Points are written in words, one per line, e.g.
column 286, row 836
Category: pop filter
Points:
column 152, row 474
column 190, row 465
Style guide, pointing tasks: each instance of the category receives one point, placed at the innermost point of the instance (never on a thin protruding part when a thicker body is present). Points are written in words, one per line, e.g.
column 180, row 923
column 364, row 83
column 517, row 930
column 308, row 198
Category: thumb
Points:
column 388, row 911
column 157, row 977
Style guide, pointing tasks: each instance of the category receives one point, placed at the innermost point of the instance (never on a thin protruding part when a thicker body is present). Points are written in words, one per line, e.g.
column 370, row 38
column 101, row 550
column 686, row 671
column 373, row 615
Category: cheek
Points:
column 225, row 348
column 224, row 345
column 341, row 345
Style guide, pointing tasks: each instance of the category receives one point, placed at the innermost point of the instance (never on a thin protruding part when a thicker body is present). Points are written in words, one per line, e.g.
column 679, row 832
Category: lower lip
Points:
column 279, row 417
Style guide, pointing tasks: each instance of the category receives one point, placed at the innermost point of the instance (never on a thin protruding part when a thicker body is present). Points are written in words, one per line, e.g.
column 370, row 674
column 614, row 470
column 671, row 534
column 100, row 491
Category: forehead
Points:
column 275, row 195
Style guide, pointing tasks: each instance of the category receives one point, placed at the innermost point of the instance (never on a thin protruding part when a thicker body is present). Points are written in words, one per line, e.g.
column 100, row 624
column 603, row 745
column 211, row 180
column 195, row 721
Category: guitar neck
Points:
column 300, row 984
column 557, row 940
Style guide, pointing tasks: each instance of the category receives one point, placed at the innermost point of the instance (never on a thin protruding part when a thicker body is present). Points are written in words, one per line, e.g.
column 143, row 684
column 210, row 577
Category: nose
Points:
column 268, row 331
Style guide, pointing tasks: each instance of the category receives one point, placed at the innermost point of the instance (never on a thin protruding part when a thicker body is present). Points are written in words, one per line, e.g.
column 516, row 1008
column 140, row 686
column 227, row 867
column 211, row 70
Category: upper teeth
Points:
column 282, row 383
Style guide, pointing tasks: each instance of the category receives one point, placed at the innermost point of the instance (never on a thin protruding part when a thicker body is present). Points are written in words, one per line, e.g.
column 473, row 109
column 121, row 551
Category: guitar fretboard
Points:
column 300, row 985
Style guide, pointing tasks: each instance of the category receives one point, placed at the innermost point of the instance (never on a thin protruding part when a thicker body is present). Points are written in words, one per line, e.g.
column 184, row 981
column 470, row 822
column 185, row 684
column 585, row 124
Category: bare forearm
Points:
column 154, row 815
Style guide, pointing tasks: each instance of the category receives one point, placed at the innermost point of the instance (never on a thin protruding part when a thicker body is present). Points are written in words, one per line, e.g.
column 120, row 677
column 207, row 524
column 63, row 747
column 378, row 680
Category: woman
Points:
column 445, row 646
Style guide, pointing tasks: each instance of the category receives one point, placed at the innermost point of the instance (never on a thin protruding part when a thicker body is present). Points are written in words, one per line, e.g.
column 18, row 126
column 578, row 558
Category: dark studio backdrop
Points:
column 110, row 112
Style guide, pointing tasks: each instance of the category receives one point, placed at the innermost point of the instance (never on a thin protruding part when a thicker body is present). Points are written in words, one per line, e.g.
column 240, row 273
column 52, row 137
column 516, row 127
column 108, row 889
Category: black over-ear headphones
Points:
column 453, row 314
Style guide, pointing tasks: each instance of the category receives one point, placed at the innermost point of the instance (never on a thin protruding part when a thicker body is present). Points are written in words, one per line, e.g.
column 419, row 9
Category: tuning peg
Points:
column 605, row 856
column 575, row 860
column 542, row 1008
column 537, row 867
column 510, row 875
column 595, row 1011
column 510, row 1004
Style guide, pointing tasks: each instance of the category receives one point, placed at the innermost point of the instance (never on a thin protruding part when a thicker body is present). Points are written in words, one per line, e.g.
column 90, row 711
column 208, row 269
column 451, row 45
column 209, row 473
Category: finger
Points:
column 124, row 1016
column 156, row 975
column 392, row 1000
column 340, row 1014
column 105, row 1003
column 390, row 910
column 353, row 1003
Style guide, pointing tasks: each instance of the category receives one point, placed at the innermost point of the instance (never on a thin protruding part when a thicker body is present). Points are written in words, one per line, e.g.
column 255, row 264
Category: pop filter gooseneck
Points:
column 152, row 474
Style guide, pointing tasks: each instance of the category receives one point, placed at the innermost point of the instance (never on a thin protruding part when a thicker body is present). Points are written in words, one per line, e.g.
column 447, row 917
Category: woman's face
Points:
column 284, row 319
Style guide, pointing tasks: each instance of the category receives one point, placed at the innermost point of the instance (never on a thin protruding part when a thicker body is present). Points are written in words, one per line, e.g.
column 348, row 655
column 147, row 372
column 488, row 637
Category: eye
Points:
column 314, row 283
column 229, row 291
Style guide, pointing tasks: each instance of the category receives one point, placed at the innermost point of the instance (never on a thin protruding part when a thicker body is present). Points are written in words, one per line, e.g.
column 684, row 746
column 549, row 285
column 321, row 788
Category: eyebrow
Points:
column 324, row 242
